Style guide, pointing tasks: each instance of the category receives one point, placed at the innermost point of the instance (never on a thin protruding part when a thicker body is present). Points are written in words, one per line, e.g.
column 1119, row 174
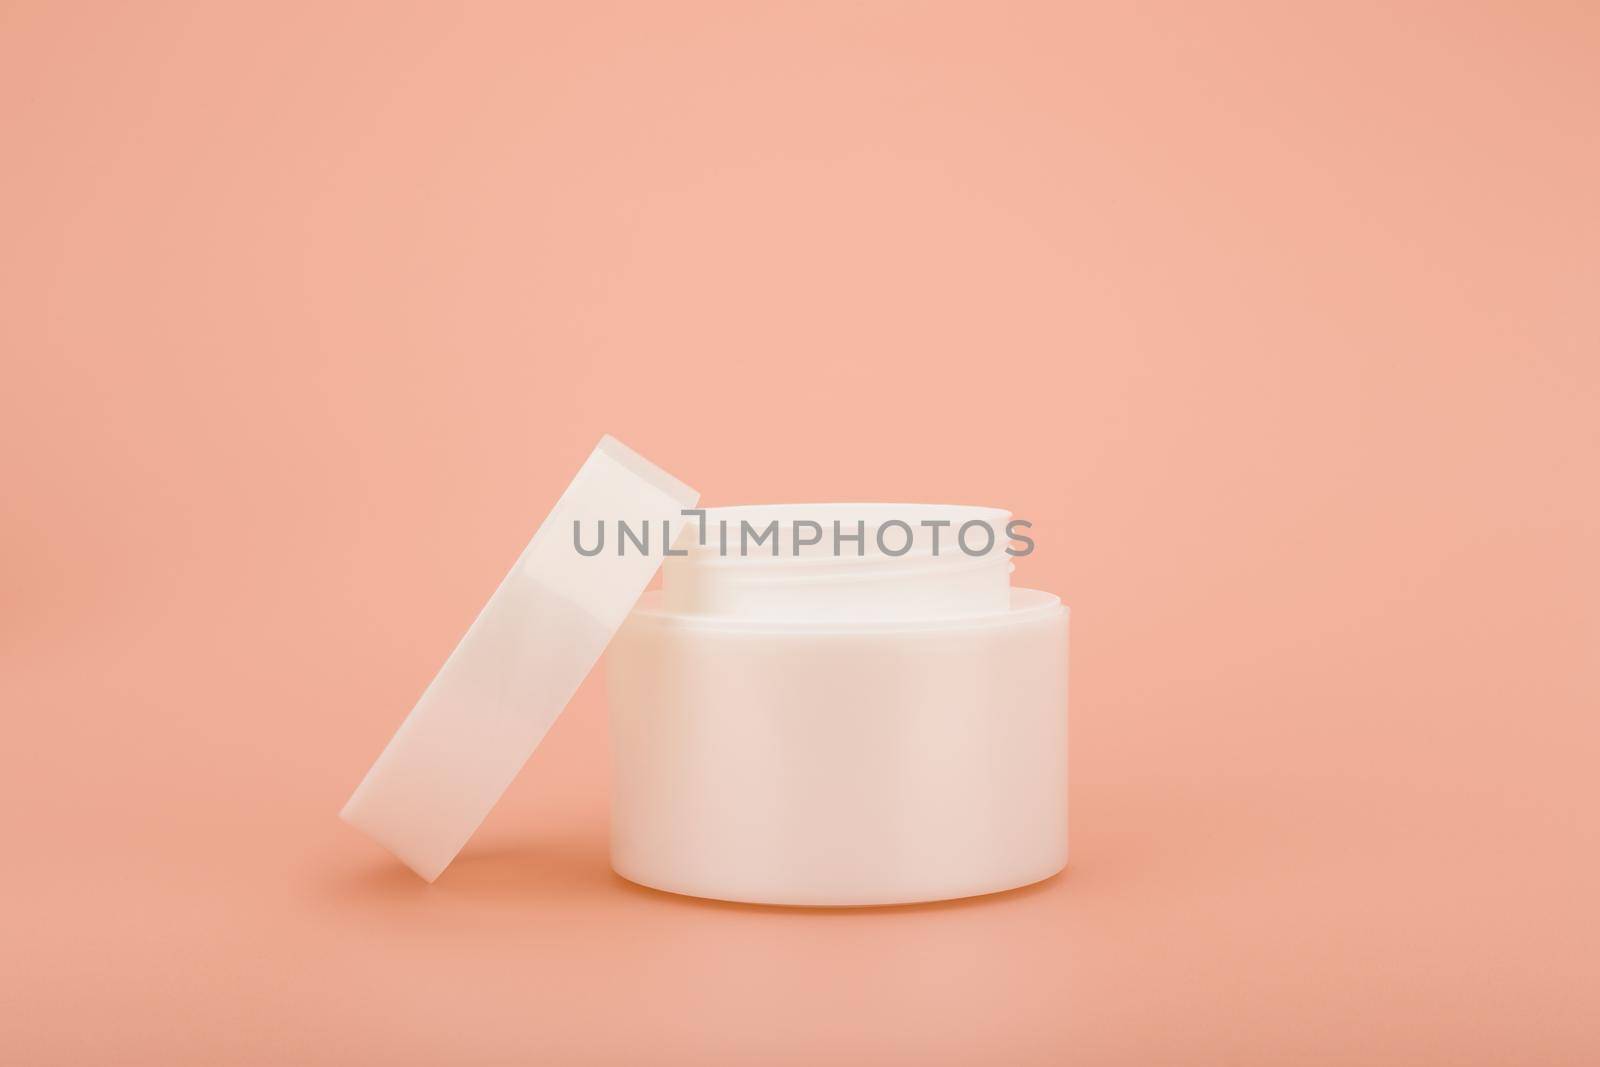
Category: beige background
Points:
column 1280, row 322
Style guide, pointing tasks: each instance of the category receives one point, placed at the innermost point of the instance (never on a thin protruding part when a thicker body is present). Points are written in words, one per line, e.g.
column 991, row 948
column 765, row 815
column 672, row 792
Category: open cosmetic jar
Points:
column 840, row 729
column 825, row 705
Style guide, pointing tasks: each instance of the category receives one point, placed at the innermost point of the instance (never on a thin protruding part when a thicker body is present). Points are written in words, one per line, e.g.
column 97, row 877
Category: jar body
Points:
column 846, row 764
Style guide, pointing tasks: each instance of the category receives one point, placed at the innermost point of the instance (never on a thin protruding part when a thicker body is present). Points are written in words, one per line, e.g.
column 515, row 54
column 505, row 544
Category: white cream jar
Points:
column 836, row 730
column 859, row 718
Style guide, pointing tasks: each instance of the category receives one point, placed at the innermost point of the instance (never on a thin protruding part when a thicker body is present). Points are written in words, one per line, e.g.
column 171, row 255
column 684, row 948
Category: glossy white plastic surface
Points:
column 517, row 666
column 839, row 731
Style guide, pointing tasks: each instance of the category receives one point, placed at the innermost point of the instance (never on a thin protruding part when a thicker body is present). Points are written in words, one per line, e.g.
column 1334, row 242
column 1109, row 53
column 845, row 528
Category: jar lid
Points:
column 520, row 661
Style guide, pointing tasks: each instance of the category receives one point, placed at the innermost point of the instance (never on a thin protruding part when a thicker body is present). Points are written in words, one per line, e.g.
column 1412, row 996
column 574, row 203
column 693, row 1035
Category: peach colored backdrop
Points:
column 1280, row 321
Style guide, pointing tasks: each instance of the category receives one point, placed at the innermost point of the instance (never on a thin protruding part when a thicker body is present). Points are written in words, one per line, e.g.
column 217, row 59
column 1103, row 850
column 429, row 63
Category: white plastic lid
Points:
column 519, row 662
